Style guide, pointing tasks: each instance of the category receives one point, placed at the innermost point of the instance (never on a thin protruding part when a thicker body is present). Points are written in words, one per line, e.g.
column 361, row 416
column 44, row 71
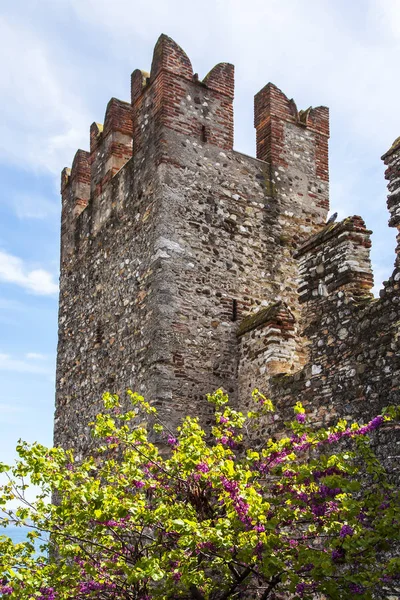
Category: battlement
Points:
column 392, row 160
column 277, row 119
column 173, row 97
column 110, row 145
column 170, row 97
column 170, row 107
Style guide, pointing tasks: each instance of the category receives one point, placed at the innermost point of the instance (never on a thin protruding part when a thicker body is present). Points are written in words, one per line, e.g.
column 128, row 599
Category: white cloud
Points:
column 35, row 356
column 36, row 281
column 9, row 408
column 8, row 363
column 31, row 206
column 43, row 120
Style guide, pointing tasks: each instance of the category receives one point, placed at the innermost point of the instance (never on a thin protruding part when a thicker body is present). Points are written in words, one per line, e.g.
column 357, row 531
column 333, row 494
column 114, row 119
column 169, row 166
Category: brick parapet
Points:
column 272, row 111
column 110, row 145
column 168, row 56
column 295, row 145
column 169, row 97
column 75, row 194
column 172, row 97
column 392, row 160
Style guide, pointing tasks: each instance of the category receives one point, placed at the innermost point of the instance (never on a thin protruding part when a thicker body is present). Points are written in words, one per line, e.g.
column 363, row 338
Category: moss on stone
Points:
column 259, row 318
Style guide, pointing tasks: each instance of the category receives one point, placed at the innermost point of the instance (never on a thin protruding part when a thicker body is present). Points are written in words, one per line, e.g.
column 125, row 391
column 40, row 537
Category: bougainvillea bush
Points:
column 309, row 515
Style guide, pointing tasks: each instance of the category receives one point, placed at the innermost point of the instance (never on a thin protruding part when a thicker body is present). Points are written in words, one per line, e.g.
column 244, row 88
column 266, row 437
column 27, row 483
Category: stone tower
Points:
column 187, row 266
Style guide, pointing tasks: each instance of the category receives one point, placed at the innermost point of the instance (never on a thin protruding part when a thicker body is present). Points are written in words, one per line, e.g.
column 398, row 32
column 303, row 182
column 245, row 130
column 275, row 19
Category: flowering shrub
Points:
column 309, row 514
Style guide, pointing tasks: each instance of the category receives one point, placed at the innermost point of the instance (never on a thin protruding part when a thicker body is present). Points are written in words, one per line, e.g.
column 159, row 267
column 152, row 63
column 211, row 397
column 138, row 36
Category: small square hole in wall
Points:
column 99, row 334
column 234, row 310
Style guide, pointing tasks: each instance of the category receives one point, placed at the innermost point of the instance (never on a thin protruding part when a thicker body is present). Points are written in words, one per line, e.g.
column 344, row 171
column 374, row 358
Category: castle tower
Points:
column 177, row 251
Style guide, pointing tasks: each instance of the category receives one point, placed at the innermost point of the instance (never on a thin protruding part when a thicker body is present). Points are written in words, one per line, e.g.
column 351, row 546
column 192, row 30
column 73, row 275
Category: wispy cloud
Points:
column 36, row 281
column 10, row 408
column 43, row 120
column 31, row 206
column 8, row 363
column 35, row 356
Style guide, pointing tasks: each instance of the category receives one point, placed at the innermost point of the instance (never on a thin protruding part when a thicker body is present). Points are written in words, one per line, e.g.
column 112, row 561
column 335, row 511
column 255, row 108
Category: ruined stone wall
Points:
column 267, row 346
column 353, row 370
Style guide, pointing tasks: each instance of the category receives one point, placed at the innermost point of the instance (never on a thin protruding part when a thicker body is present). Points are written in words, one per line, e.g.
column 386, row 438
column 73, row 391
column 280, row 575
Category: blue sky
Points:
column 62, row 60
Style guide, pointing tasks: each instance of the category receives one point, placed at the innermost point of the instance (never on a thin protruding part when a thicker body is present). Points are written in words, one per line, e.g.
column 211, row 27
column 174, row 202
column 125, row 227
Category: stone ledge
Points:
column 275, row 313
column 354, row 223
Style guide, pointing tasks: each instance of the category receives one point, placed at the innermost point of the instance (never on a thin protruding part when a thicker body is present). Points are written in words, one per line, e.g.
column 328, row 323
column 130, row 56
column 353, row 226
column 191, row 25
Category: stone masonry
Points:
column 187, row 266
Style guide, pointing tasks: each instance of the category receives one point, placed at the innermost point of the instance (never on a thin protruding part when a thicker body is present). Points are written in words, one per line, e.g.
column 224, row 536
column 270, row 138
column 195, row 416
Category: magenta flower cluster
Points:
column 47, row 594
column 203, row 467
column 346, row 531
column 93, row 586
column 6, row 590
column 240, row 505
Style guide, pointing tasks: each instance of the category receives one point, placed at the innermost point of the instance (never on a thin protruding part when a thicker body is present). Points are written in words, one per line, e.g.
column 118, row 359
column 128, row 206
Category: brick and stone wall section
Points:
column 267, row 346
column 117, row 234
column 392, row 161
column 75, row 194
column 277, row 119
column 338, row 257
column 353, row 368
column 172, row 97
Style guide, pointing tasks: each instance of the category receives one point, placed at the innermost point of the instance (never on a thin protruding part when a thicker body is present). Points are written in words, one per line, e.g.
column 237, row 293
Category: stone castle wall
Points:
column 188, row 266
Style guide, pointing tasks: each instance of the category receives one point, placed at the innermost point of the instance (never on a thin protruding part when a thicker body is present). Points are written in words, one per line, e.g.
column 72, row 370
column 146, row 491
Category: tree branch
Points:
column 274, row 581
column 196, row 594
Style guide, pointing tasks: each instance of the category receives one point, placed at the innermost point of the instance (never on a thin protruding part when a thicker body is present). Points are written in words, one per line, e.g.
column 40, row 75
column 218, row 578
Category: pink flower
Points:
column 5, row 590
column 203, row 467
column 138, row 484
column 346, row 530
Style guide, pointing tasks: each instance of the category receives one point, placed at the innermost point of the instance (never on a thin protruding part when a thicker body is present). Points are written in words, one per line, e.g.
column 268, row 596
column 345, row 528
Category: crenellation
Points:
column 75, row 194
column 221, row 79
column 139, row 80
column 187, row 266
column 392, row 160
column 168, row 56
column 110, row 145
